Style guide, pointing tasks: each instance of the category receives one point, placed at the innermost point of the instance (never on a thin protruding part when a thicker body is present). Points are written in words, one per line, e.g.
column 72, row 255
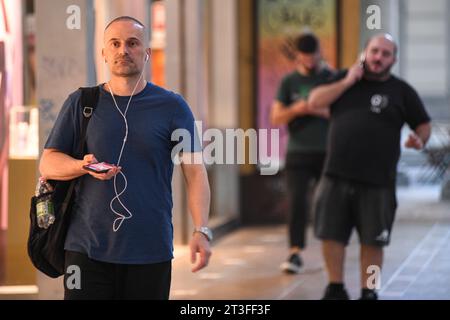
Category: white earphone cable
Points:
column 121, row 217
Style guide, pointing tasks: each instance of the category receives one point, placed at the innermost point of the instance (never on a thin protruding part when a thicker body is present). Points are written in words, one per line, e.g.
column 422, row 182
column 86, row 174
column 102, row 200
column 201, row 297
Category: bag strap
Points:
column 88, row 103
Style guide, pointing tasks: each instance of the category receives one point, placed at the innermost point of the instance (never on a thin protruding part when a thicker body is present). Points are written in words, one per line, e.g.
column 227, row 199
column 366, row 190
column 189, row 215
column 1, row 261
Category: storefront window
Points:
column 23, row 132
column 18, row 139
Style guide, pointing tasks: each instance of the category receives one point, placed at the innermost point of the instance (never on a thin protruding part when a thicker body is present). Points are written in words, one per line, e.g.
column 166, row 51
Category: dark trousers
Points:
column 108, row 281
column 303, row 171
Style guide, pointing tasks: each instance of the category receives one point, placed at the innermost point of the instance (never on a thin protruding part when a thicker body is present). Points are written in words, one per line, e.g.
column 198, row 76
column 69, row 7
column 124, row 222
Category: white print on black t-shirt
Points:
column 378, row 102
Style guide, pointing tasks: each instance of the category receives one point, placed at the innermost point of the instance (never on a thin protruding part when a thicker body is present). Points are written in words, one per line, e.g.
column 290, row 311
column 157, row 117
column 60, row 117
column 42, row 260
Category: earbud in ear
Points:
column 146, row 57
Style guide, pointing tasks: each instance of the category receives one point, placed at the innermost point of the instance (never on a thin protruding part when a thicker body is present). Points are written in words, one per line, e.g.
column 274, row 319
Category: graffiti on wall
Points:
column 279, row 23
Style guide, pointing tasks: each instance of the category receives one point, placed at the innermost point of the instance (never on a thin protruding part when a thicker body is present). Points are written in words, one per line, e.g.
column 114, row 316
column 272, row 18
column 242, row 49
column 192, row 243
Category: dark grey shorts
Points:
column 341, row 205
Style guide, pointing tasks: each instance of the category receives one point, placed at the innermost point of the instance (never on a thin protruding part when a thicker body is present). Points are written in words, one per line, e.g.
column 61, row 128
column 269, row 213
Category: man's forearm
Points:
column 423, row 131
column 282, row 115
column 56, row 165
column 323, row 96
column 199, row 197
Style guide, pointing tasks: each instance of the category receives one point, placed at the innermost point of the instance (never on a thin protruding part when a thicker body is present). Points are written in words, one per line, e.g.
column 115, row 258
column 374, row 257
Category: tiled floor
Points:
column 425, row 273
column 245, row 263
column 245, row 266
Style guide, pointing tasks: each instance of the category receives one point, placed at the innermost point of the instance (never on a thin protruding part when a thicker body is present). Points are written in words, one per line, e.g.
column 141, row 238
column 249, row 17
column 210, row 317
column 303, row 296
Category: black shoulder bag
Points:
column 46, row 246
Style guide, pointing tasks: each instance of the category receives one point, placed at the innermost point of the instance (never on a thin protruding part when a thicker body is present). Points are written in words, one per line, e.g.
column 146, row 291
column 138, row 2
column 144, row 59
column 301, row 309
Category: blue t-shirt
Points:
column 154, row 113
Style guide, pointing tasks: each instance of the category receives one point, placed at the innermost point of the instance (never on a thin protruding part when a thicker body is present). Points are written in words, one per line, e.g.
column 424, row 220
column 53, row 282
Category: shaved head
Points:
column 386, row 37
column 130, row 22
column 125, row 18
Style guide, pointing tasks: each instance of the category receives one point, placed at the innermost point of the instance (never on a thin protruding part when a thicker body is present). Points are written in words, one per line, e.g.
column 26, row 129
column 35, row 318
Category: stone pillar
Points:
column 64, row 56
column 65, row 62
column 224, row 108
column 202, row 65
column 186, row 74
column 175, row 80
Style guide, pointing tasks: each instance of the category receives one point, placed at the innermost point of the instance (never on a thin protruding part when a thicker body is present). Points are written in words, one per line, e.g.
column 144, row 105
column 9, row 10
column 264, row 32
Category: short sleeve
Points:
column 283, row 92
column 184, row 128
column 65, row 132
column 415, row 112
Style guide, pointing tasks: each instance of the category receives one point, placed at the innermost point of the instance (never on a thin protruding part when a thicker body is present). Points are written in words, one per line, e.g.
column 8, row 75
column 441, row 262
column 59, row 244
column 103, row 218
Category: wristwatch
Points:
column 205, row 231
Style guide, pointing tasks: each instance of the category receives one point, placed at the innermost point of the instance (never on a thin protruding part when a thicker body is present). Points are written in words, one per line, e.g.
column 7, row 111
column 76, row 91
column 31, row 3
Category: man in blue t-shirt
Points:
column 121, row 233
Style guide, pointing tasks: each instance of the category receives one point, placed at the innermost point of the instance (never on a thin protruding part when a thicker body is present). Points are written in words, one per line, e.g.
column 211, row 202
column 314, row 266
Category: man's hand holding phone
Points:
column 101, row 171
column 355, row 73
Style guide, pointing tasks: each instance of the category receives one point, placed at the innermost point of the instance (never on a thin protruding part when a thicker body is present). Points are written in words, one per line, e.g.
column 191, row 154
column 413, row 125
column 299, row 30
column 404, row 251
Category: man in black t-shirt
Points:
column 307, row 139
column 368, row 108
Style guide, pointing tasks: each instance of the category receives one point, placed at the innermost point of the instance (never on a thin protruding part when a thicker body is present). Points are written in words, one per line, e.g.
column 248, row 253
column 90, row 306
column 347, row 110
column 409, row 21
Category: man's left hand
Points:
column 199, row 247
column 414, row 142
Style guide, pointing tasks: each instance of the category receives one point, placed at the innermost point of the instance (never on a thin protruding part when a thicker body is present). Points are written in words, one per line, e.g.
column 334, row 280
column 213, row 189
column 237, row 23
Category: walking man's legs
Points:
column 370, row 256
column 298, row 181
column 334, row 255
column 302, row 174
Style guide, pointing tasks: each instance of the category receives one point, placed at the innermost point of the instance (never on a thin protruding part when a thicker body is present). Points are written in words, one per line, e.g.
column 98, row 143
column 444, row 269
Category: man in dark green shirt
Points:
column 307, row 139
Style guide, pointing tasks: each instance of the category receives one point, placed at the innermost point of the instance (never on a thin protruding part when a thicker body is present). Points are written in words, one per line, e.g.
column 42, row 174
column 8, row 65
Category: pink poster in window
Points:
column 279, row 23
